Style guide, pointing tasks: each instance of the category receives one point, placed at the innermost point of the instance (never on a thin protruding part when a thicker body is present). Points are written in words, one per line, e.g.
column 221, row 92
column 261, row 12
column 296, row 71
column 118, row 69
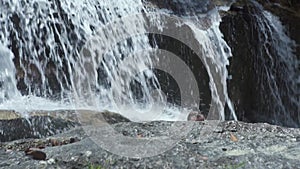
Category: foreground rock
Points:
column 47, row 123
column 209, row 144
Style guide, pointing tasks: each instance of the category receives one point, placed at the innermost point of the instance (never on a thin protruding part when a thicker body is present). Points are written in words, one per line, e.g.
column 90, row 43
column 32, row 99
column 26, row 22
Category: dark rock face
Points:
column 289, row 14
column 190, row 58
column 261, row 87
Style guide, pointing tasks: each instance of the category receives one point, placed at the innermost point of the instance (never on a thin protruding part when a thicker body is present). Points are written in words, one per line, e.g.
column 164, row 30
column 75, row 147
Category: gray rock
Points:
column 36, row 154
column 258, row 146
column 33, row 127
column 48, row 123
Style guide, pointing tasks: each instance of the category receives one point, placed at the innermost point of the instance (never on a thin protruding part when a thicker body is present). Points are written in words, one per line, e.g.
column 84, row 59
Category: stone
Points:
column 249, row 89
column 15, row 127
column 218, row 129
column 73, row 140
column 233, row 138
column 36, row 154
column 261, row 149
column 195, row 116
column 88, row 153
column 51, row 161
column 55, row 142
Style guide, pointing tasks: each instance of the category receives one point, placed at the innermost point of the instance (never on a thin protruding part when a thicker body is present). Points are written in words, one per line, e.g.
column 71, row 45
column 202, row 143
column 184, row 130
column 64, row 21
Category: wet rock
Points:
column 36, row 154
column 33, row 127
column 298, row 138
column 261, row 149
column 42, row 124
column 73, row 140
column 51, row 161
column 113, row 118
column 88, row 153
column 218, row 129
column 252, row 63
column 195, row 116
column 55, row 142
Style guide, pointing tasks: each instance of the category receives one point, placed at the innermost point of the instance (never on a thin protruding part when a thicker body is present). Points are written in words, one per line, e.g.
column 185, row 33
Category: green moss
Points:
column 91, row 166
column 235, row 166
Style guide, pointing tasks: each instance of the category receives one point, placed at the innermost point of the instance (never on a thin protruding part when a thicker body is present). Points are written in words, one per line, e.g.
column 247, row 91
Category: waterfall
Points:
column 8, row 89
column 216, row 49
column 278, row 68
column 70, row 54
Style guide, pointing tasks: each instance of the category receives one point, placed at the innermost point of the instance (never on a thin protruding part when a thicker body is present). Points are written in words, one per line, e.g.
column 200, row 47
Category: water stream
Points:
column 62, row 54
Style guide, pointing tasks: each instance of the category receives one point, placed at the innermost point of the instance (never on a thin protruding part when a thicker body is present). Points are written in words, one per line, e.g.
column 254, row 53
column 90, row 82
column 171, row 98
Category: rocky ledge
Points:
column 207, row 144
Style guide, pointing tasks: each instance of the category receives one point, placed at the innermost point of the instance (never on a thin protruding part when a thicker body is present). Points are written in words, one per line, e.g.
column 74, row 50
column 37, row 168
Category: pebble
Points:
column 88, row 153
column 293, row 139
column 233, row 138
column 241, row 138
column 43, row 163
column 51, row 161
column 75, row 158
column 218, row 130
column 73, row 140
column 298, row 138
column 194, row 141
column 9, row 151
column 195, row 116
column 55, row 142
column 283, row 136
column 35, row 154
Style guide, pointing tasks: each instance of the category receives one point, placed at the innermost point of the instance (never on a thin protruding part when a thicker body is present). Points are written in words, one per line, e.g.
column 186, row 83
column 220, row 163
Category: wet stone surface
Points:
column 209, row 144
column 33, row 127
column 45, row 124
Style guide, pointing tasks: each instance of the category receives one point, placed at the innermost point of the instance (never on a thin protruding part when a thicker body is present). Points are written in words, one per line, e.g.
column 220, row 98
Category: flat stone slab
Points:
column 38, row 124
column 208, row 144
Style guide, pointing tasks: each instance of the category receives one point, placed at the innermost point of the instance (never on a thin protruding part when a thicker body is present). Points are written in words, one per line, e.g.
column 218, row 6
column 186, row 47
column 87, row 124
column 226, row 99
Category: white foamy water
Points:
column 27, row 104
column 216, row 49
column 70, row 58
column 8, row 89
column 280, row 67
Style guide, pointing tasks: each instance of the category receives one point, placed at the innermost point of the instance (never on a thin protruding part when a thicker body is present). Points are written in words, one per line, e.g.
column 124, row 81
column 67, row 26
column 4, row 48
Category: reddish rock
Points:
column 36, row 154
column 195, row 116
column 55, row 142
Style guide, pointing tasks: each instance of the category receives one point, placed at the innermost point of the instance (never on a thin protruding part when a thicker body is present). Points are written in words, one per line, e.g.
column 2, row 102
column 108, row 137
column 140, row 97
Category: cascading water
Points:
column 279, row 70
column 218, row 51
column 59, row 60
column 8, row 89
column 46, row 38
column 265, row 68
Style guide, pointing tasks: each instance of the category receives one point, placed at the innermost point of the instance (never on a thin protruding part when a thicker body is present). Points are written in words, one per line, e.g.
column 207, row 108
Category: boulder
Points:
column 222, row 145
column 47, row 123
